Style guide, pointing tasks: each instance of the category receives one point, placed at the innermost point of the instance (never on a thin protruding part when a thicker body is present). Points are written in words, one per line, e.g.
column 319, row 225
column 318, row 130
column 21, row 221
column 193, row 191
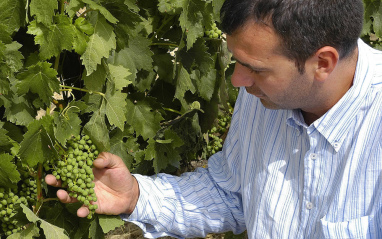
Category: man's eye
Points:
column 254, row 71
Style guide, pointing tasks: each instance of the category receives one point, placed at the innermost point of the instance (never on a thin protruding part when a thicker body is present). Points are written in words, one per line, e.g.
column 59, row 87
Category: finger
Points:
column 107, row 160
column 51, row 180
column 64, row 197
column 83, row 211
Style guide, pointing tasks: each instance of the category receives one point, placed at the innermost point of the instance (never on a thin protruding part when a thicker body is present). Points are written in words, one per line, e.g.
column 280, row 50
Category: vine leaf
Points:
column 109, row 223
column 37, row 145
column 50, row 230
column 191, row 20
column 40, row 79
column 93, row 5
column 100, row 44
column 8, row 171
column 53, row 38
column 206, row 83
column 184, row 83
column 66, row 125
column 170, row 6
column 97, row 130
column 12, row 15
column 18, row 110
column 116, row 107
column 165, row 153
column 44, row 10
column 96, row 80
column 95, row 230
column 145, row 121
column 119, row 76
column 31, row 232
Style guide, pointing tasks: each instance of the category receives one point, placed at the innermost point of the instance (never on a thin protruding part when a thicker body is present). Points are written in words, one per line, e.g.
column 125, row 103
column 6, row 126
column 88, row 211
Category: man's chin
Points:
column 269, row 105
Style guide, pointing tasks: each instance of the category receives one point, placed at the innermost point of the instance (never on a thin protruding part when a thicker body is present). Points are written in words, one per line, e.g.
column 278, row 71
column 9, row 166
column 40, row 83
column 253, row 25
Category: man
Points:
column 303, row 155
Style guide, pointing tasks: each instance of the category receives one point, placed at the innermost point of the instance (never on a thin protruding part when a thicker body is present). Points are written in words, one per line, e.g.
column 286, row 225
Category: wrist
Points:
column 134, row 196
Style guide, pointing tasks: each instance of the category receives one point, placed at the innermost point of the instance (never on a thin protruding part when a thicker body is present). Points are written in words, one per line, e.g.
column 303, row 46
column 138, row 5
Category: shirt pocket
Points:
column 356, row 228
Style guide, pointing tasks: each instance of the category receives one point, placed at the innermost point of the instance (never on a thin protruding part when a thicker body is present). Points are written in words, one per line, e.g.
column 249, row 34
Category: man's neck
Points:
column 336, row 87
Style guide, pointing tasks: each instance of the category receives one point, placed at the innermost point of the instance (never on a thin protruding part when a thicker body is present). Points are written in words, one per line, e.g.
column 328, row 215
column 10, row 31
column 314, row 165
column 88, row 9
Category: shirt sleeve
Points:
column 196, row 203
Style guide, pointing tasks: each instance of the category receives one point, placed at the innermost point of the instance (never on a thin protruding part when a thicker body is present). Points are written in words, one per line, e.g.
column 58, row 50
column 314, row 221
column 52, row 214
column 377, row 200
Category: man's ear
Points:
column 326, row 60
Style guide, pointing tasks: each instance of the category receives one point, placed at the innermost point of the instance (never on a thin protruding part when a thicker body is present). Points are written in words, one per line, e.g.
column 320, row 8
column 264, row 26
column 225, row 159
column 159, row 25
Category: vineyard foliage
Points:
column 147, row 80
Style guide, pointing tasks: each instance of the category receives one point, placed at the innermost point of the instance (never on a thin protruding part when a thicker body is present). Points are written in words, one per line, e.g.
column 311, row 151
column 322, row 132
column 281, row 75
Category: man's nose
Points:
column 241, row 76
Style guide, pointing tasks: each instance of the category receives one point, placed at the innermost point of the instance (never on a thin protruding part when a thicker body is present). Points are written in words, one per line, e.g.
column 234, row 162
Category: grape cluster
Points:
column 74, row 169
column 217, row 133
column 214, row 32
column 8, row 201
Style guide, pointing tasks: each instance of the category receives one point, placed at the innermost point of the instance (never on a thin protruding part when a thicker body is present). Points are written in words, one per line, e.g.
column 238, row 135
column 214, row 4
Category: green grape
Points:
column 74, row 168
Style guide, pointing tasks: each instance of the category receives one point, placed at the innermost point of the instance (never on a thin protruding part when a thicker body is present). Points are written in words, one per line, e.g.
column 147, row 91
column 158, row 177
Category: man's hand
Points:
column 116, row 189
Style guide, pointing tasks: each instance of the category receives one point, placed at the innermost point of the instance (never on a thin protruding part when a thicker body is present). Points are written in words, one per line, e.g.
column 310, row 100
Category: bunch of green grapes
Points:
column 27, row 185
column 8, row 200
column 214, row 32
column 74, row 169
column 217, row 134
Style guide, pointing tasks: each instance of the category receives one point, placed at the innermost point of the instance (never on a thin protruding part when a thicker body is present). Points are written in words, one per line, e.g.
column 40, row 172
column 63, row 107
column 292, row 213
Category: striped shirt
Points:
column 277, row 177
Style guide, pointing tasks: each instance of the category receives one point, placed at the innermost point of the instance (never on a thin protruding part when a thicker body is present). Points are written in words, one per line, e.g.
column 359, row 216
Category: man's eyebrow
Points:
column 255, row 68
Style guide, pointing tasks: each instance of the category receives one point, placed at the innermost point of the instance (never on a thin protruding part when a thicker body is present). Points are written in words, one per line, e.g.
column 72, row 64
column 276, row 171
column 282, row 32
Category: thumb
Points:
column 107, row 160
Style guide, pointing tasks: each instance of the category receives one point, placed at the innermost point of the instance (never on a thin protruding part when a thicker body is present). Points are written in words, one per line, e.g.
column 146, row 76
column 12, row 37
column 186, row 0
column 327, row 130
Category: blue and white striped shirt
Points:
column 280, row 178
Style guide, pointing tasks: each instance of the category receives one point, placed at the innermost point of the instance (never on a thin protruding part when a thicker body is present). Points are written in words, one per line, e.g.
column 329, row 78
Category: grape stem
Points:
column 66, row 88
column 40, row 197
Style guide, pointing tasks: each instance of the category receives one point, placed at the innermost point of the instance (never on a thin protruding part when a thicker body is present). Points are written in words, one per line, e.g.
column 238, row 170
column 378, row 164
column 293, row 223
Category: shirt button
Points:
column 309, row 205
column 336, row 145
column 313, row 156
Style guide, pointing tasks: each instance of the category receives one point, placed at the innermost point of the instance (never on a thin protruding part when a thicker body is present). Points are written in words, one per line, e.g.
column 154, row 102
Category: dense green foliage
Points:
column 146, row 80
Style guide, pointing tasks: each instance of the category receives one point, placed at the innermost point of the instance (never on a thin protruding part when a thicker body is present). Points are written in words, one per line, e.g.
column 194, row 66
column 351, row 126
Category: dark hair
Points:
column 304, row 26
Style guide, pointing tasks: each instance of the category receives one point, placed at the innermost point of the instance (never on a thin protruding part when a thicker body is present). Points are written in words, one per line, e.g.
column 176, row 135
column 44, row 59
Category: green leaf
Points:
column 96, row 80
column 37, row 146
column 119, row 75
column 95, row 6
column 95, row 230
column 73, row 7
column 119, row 147
column 115, row 106
column 9, row 175
column 50, row 231
column 97, row 130
column 4, row 139
column 67, row 124
column 109, row 223
column 40, row 79
column 184, row 83
column 13, row 57
column 377, row 21
column 54, row 38
column 44, row 10
column 132, row 4
column 164, row 154
column 31, row 232
column 12, row 15
column 100, row 44
column 18, row 110
column 170, row 6
column 205, row 83
column 143, row 119
column 191, row 20
column 139, row 49
column 198, row 57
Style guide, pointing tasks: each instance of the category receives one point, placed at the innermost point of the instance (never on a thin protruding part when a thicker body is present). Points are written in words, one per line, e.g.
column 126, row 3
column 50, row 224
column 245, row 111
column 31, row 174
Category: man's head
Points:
column 304, row 26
